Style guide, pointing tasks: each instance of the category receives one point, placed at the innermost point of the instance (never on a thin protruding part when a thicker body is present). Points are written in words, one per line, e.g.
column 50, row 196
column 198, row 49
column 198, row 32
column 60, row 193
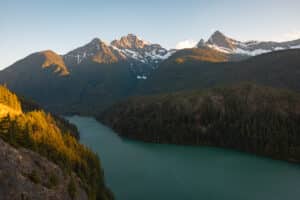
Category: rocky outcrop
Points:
column 25, row 175
column 55, row 60
column 96, row 51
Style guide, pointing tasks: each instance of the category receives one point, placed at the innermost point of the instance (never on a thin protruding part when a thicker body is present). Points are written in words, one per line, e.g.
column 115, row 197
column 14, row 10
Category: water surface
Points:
column 142, row 171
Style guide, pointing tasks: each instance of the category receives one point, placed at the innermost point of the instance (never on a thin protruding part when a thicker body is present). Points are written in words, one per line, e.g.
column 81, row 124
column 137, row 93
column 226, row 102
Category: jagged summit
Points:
column 141, row 50
column 126, row 48
column 130, row 41
column 218, row 33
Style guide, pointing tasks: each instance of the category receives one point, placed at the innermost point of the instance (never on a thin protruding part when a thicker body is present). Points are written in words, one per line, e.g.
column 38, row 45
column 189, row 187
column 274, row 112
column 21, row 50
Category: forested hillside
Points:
column 245, row 117
column 54, row 139
column 187, row 70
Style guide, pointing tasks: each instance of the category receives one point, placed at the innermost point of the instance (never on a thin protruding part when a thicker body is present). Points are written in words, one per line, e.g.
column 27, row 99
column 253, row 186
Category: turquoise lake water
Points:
column 143, row 171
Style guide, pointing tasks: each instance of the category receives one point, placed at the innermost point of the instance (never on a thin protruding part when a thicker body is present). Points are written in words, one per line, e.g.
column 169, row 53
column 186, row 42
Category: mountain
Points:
column 92, row 77
column 37, row 75
column 139, row 53
column 204, row 54
column 96, row 51
column 277, row 69
column 143, row 51
column 44, row 61
column 105, row 73
column 246, row 117
column 222, row 43
column 41, row 157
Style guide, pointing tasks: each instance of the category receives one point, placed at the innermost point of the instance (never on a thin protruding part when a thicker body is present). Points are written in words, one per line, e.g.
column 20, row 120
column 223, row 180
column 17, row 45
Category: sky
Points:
column 28, row 26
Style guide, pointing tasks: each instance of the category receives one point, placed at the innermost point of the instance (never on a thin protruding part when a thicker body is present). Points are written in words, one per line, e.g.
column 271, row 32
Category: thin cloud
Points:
column 186, row 44
column 293, row 35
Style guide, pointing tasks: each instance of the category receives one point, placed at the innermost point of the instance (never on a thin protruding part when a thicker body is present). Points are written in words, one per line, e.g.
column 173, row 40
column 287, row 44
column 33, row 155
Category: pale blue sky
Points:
column 27, row 26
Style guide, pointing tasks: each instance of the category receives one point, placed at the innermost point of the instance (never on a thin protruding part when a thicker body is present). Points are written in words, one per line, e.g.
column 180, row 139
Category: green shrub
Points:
column 52, row 181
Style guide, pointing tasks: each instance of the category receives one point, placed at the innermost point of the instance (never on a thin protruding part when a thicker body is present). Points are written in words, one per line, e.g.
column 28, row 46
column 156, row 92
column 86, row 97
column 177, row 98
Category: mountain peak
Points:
column 218, row 33
column 201, row 43
column 95, row 40
column 220, row 40
column 216, row 36
column 130, row 41
column 96, row 43
column 96, row 50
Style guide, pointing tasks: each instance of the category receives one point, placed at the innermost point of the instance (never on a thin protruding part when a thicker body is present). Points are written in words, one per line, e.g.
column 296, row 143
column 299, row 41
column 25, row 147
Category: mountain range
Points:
column 222, row 43
column 94, row 76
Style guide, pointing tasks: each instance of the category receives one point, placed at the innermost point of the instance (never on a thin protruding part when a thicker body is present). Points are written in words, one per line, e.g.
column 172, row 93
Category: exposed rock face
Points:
column 25, row 175
column 129, row 42
column 96, row 51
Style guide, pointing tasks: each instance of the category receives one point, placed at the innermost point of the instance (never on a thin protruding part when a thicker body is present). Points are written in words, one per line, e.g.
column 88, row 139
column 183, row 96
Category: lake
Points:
column 143, row 171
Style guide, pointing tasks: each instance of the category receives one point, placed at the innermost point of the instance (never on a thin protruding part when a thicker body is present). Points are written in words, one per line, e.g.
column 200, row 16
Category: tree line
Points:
column 245, row 117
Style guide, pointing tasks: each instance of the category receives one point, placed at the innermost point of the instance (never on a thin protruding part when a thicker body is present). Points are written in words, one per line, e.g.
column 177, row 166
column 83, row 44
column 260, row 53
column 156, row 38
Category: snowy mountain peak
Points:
column 220, row 40
column 222, row 43
column 140, row 50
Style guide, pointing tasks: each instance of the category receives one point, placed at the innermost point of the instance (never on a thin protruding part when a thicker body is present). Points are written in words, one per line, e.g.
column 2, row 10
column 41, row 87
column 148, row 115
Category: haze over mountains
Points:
column 90, row 78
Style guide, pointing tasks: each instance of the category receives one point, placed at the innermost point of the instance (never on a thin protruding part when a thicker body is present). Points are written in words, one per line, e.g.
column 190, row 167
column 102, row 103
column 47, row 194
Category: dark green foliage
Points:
column 246, row 117
column 29, row 105
column 53, row 181
column 34, row 177
column 72, row 188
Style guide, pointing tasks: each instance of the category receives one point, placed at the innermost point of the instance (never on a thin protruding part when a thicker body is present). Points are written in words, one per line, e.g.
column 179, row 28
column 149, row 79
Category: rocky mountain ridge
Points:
column 225, row 44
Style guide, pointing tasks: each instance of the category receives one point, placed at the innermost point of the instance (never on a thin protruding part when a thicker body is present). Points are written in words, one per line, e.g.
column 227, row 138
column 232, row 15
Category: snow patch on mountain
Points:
column 224, row 44
column 138, row 49
column 295, row 47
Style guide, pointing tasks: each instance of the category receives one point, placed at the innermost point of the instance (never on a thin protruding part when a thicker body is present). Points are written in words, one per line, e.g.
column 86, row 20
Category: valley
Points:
column 168, row 110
